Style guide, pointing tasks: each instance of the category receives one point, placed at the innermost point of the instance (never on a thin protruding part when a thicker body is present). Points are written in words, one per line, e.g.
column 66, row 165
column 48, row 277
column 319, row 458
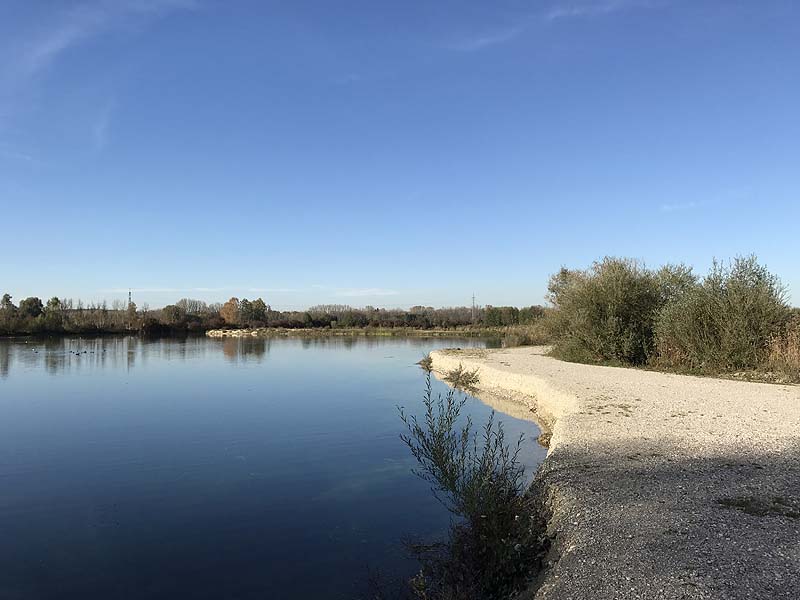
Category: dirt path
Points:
column 659, row 485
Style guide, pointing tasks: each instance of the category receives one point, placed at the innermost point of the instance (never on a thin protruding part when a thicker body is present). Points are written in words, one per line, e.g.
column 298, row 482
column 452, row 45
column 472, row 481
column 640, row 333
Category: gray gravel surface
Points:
column 657, row 485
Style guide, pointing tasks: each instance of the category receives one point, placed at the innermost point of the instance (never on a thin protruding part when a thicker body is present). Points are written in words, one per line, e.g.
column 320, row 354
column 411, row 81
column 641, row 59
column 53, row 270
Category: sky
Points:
column 390, row 153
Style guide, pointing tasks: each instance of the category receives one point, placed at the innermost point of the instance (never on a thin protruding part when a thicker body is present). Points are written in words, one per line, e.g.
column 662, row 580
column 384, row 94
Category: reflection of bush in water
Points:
column 237, row 348
column 5, row 360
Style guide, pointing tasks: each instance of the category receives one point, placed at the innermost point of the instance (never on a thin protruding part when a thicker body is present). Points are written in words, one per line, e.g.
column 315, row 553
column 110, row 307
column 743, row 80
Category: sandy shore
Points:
column 657, row 485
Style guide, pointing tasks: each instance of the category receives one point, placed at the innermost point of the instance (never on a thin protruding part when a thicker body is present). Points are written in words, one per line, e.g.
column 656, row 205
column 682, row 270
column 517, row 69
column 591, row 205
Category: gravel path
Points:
column 658, row 485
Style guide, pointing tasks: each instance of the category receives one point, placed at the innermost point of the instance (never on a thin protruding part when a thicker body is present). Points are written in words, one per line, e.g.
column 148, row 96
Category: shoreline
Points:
column 344, row 332
column 656, row 485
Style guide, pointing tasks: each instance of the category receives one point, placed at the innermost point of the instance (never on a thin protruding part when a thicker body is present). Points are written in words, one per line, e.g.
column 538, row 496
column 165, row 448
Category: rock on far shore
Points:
column 656, row 485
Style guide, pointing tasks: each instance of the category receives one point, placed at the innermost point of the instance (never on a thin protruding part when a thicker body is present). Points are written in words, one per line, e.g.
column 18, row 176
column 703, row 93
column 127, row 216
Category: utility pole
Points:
column 473, row 308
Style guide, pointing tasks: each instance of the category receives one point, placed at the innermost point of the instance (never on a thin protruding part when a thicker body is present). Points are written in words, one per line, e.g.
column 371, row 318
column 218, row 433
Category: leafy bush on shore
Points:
column 496, row 547
column 606, row 312
column 724, row 323
column 735, row 318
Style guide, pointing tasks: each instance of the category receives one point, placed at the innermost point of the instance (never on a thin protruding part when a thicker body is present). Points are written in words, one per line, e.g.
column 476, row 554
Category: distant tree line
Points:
column 32, row 316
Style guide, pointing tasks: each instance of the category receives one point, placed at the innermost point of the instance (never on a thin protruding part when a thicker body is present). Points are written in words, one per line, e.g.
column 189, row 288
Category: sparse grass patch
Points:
column 776, row 506
column 534, row 334
column 426, row 363
column 784, row 353
column 462, row 379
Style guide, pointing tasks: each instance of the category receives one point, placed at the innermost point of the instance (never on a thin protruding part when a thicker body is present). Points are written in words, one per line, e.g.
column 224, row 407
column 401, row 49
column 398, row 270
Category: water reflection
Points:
column 210, row 468
column 245, row 348
column 87, row 354
column 5, row 360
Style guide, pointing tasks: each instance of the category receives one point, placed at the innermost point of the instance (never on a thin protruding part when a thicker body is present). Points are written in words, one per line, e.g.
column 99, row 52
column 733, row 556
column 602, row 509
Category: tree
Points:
column 31, row 307
column 131, row 314
column 6, row 304
column 230, row 311
column 260, row 309
column 53, row 314
column 530, row 314
column 191, row 306
column 245, row 312
column 172, row 315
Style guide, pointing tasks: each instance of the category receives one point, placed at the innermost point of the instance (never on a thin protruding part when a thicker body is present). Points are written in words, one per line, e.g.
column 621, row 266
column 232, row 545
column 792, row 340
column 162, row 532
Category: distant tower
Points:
column 128, row 312
column 473, row 308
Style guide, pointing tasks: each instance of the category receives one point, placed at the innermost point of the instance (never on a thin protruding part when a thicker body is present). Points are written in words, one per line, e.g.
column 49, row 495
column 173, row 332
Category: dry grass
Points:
column 461, row 379
column 784, row 353
column 532, row 334
column 426, row 363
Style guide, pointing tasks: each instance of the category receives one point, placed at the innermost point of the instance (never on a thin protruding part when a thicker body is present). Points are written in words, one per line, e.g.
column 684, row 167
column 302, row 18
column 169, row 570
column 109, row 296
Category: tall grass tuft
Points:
column 496, row 546
column 784, row 353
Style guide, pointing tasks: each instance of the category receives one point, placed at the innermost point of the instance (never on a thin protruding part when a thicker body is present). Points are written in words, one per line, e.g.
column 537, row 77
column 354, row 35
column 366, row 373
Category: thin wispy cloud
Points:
column 479, row 42
column 101, row 125
column 592, row 8
column 160, row 290
column 364, row 292
column 343, row 292
column 560, row 10
column 680, row 206
column 12, row 154
column 81, row 23
column 346, row 79
column 35, row 50
column 272, row 290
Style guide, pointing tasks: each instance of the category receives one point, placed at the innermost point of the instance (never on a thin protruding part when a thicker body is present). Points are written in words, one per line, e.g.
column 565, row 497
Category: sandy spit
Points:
column 657, row 486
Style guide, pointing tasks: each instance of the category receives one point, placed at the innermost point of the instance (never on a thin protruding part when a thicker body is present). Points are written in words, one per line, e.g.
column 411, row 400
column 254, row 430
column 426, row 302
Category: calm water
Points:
column 206, row 468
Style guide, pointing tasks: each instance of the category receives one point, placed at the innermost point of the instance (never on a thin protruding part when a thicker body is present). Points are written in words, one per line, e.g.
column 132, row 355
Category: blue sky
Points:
column 390, row 153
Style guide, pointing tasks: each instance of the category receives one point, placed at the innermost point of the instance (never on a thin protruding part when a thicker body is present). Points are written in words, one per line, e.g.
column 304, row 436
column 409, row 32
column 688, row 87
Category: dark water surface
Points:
column 203, row 468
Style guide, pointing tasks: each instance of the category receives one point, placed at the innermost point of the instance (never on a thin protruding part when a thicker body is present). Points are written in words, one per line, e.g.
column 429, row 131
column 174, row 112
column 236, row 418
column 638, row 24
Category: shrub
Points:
column 726, row 322
column 500, row 316
column 496, row 546
column 461, row 379
column 426, row 363
column 531, row 314
column 605, row 313
column 535, row 334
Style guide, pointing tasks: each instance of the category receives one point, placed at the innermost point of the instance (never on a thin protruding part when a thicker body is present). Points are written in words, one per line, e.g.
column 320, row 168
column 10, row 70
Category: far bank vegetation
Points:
column 735, row 319
column 59, row 315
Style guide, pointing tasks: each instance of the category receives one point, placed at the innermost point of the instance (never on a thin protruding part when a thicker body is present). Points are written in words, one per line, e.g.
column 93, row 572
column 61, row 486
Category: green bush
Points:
column 606, row 313
column 724, row 323
column 496, row 546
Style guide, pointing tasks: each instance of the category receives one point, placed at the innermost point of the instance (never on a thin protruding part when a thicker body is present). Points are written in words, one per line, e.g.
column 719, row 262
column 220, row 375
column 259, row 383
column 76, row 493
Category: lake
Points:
column 208, row 468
